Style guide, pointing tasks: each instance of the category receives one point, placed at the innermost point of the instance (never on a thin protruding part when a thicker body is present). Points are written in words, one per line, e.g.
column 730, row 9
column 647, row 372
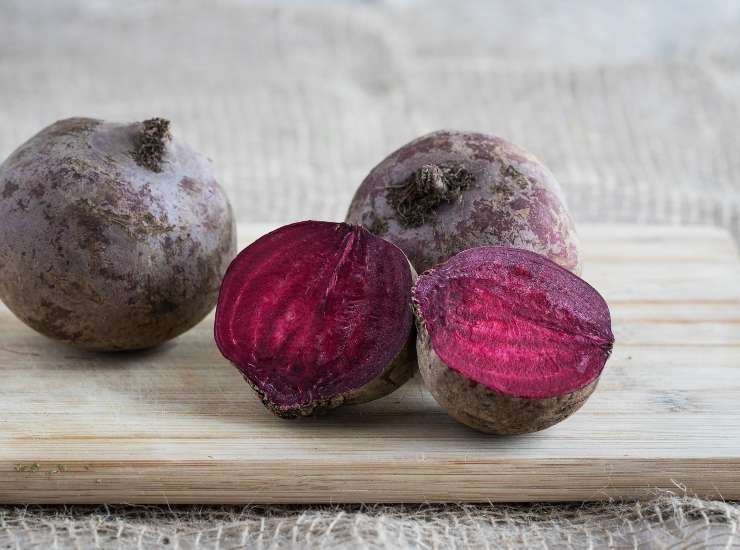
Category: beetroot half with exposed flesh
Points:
column 509, row 342
column 317, row 315
column 449, row 191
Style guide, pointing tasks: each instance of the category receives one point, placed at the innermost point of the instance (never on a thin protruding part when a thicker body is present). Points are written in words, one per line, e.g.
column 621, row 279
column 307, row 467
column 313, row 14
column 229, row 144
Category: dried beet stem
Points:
column 416, row 200
column 151, row 143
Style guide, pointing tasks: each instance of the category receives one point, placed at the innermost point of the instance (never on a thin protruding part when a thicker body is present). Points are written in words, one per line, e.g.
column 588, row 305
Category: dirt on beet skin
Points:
column 449, row 191
column 112, row 236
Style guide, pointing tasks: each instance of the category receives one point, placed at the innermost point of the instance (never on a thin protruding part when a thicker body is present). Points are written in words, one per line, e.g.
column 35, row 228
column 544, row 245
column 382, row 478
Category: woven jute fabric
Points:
column 668, row 521
column 634, row 105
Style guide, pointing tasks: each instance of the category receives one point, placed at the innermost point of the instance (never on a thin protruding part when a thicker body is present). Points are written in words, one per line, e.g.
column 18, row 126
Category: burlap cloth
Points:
column 634, row 105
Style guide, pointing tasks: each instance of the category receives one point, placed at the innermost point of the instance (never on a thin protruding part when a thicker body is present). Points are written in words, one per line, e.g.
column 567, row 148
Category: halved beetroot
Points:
column 509, row 342
column 316, row 315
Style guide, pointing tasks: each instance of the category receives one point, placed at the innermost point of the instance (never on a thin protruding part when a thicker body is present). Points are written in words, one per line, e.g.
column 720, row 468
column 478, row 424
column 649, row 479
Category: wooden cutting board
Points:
column 178, row 424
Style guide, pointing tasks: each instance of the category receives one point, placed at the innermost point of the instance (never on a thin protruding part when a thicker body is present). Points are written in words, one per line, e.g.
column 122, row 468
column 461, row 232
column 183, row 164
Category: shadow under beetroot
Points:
column 114, row 359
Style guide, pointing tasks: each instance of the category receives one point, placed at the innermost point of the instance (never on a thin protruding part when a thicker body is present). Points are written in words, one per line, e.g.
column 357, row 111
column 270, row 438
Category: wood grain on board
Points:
column 177, row 424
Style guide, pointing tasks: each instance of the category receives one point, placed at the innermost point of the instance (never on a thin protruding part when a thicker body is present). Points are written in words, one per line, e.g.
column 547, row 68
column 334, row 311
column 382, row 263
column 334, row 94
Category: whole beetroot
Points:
column 449, row 191
column 112, row 236
column 509, row 342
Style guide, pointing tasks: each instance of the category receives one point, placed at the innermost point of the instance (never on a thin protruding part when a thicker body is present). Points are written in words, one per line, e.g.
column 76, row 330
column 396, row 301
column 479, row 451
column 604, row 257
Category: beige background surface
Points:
column 634, row 105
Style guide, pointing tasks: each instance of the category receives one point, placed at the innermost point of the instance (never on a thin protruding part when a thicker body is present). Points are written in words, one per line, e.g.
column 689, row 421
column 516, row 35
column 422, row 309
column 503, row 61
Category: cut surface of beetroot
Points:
column 313, row 311
column 515, row 322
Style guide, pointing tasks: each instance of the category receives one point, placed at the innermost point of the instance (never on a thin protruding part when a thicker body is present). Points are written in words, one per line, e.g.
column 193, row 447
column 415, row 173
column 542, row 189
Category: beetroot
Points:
column 449, row 191
column 317, row 315
column 509, row 342
column 112, row 236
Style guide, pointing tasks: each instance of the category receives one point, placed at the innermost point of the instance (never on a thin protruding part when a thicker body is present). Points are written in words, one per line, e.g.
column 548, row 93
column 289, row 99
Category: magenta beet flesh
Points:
column 316, row 315
column 531, row 337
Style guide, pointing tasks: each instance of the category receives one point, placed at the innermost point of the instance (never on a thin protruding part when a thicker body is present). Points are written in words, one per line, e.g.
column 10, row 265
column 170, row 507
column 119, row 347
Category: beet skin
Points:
column 316, row 315
column 509, row 342
column 112, row 236
column 449, row 191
